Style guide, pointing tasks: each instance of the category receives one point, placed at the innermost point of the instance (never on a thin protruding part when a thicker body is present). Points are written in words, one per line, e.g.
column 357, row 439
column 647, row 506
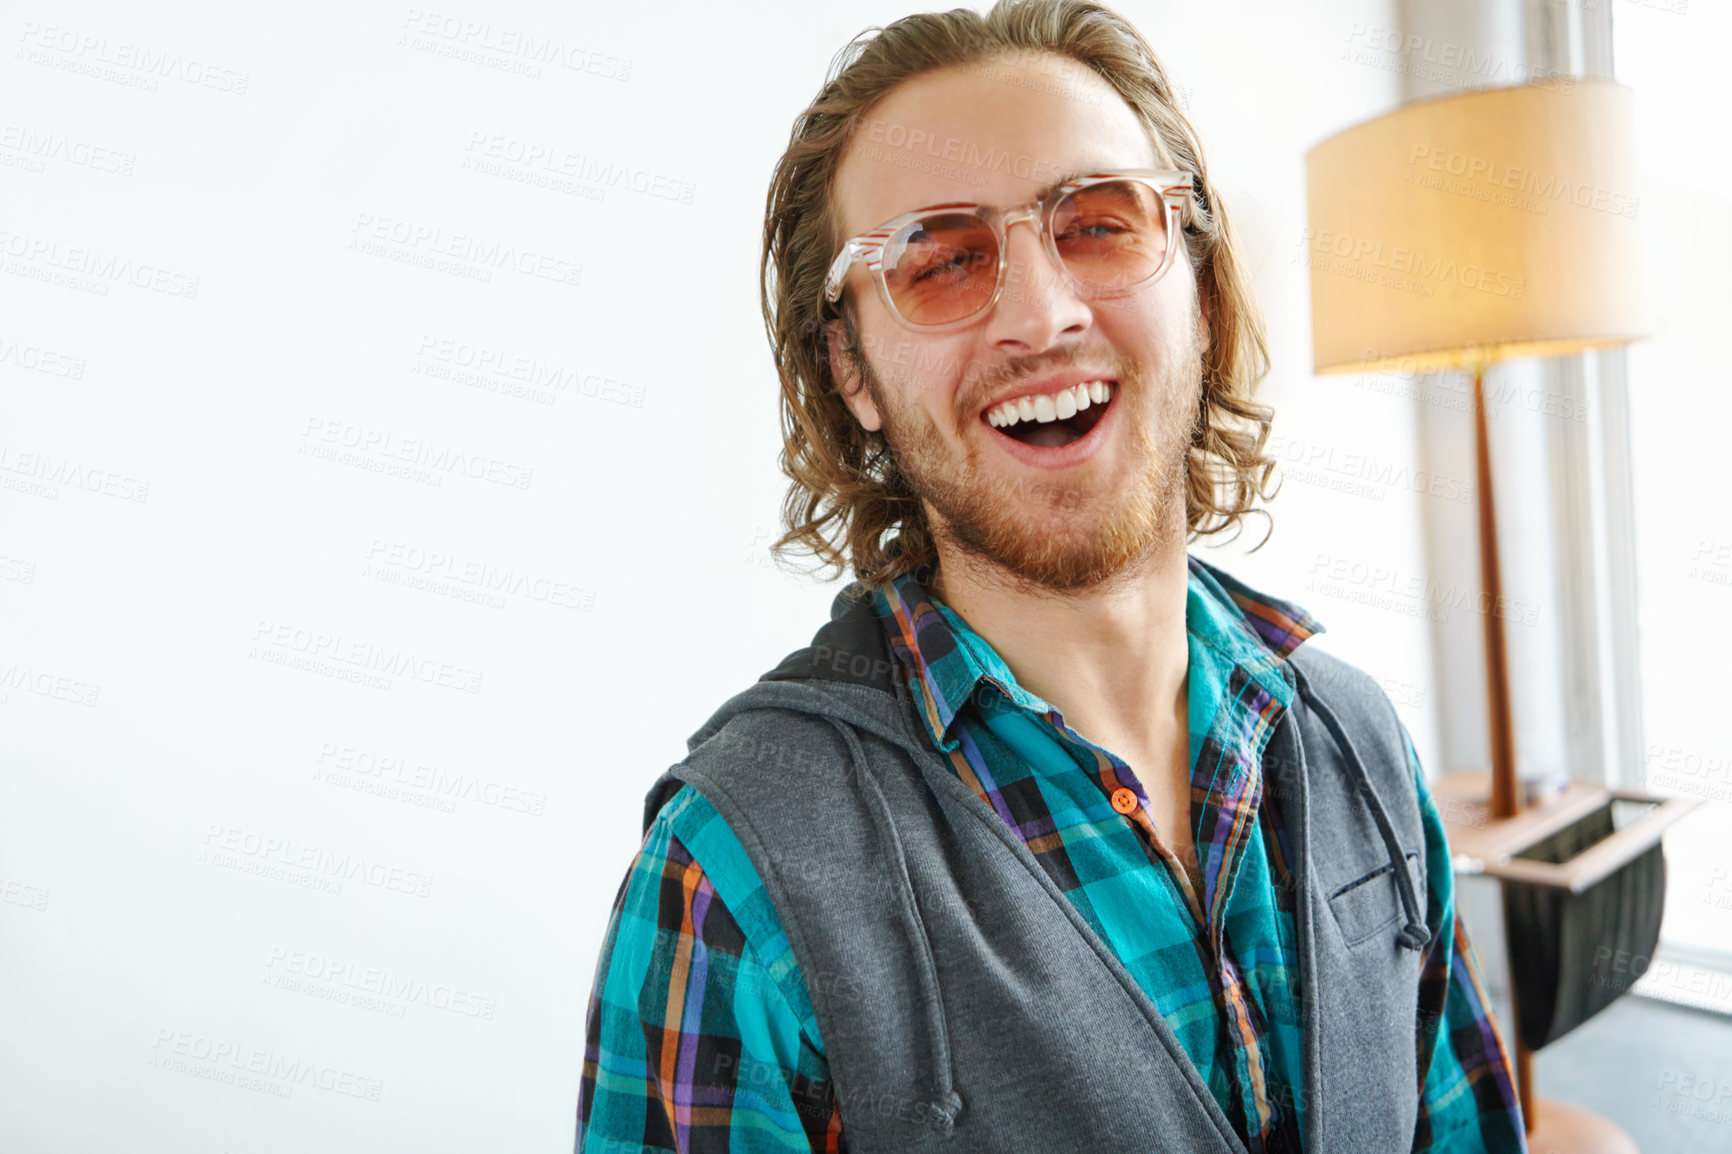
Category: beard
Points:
column 1057, row 535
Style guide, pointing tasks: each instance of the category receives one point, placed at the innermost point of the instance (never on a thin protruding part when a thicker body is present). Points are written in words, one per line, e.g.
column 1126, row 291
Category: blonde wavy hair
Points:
column 847, row 503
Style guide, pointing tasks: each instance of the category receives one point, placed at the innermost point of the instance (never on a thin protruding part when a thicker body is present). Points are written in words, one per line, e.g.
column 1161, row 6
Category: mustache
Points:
column 1011, row 373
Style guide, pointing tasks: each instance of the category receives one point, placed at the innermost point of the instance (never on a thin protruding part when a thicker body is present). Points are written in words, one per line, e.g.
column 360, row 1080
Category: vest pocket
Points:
column 1373, row 902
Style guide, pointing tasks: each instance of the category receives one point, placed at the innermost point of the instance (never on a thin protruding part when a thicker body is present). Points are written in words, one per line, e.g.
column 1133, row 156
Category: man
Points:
column 1055, row 838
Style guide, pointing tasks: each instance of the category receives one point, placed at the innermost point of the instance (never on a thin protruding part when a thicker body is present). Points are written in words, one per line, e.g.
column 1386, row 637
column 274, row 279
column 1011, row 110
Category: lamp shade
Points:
column 1475, row 226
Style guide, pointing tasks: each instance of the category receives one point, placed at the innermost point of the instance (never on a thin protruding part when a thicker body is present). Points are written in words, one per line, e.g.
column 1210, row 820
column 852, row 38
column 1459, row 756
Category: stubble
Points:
column 1060, row 535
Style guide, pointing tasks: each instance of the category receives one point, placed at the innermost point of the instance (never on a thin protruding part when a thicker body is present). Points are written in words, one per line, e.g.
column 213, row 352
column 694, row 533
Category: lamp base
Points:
column 1563, row 1128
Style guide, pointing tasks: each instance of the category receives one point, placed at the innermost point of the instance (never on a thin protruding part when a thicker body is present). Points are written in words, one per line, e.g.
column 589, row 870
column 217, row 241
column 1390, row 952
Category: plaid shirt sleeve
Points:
column 700, row 1035
column 1467, row 1097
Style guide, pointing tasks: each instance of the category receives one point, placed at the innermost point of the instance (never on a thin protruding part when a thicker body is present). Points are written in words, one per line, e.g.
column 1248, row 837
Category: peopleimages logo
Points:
column 482, row 42
column 234, row 1063
column 319, row 975
column 224, row 844
column 888, row 134
column 442, row 250
column 386, row 445
column 274, row 641
column 92, row 55
column 1497, row 175
column 555, row 161
column 1365, row 258
column 39, row 147
column 42, row 254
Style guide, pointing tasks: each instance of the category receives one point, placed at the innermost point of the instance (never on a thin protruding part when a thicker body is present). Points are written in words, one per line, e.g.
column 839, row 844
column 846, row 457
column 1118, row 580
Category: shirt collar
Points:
column 946, row 661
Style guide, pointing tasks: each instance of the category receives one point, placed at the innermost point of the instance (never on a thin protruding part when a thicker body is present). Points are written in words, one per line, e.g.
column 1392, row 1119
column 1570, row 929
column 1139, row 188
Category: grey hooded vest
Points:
column 965, row 1005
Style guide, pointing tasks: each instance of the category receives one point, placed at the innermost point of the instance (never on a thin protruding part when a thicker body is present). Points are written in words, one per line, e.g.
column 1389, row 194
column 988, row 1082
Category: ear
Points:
column 842, row 368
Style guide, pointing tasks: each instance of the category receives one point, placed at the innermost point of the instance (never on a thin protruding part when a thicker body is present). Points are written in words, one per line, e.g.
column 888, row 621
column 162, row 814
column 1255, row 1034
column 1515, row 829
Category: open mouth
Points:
column 1053, row 419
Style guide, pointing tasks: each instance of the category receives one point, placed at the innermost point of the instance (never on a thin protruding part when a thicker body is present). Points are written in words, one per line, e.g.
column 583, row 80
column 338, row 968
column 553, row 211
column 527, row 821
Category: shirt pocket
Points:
column 1372, row 903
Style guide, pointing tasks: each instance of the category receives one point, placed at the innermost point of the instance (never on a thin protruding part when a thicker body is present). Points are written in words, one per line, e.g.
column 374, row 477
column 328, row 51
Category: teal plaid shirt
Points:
column 700, row 1033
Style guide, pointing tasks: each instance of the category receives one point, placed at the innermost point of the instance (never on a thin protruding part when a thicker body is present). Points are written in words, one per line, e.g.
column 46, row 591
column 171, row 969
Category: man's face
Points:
column 1062, row 517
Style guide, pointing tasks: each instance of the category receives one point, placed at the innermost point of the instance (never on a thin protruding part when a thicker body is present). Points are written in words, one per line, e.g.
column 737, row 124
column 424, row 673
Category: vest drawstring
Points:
column 947, row 1103
column 1414, row 934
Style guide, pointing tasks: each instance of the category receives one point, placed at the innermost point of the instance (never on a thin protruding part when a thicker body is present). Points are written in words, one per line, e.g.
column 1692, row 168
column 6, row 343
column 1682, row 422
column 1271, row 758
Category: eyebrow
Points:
column 1063, row 180
column 1040, row 194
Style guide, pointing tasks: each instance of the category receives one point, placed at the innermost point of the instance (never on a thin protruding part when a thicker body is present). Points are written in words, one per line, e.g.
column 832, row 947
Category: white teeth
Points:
column 1046, row 407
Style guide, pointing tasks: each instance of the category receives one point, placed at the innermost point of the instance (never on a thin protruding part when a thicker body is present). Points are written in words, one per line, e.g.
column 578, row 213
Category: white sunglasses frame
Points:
column 1172, row 185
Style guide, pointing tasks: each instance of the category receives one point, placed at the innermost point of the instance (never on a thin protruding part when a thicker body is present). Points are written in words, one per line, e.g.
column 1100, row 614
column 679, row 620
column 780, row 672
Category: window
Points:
column 1680, row 395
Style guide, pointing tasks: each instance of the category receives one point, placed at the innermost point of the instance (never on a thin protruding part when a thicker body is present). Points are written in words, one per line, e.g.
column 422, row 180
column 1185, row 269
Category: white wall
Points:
column 175, row 776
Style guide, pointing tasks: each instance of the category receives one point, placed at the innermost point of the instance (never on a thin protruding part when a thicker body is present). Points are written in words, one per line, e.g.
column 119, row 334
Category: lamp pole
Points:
column 1505, row 800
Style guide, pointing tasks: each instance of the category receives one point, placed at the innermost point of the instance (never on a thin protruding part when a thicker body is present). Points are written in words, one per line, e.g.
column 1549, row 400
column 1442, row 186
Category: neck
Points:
column 1113, row 659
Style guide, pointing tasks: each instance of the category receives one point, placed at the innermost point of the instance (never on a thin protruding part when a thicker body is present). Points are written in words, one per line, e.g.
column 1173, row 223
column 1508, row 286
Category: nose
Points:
column 1037, row 308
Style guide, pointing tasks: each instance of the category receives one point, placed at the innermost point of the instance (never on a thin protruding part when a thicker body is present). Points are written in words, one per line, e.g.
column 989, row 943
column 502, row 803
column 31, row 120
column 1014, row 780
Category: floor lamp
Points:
column 1456, row 232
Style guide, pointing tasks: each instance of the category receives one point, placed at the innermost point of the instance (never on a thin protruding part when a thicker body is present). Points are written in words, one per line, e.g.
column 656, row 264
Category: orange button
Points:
column 1124, row 800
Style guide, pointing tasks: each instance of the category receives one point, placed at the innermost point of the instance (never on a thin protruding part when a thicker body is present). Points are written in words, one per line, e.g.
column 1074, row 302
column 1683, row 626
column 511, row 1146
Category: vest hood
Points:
column 848, row 677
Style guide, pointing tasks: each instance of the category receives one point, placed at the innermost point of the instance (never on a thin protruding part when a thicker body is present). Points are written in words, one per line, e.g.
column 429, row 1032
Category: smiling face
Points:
column 1053, row 500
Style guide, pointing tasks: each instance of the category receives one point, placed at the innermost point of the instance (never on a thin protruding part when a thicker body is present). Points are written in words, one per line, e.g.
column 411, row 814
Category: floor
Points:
column 1662, row 1072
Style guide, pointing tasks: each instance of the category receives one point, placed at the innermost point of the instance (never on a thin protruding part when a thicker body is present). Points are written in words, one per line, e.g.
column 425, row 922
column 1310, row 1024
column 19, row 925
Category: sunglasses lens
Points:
column 1111, row 236
column 941, row 268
